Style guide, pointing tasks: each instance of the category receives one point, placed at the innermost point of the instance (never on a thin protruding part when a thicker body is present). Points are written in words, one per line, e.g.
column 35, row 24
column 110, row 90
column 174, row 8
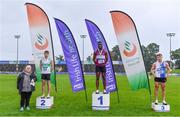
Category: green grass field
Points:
column 67, row 103
column 176, row 71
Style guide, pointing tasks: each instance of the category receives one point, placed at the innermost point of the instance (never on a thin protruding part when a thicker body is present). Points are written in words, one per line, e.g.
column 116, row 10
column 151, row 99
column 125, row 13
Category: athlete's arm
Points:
column 168, row 69
column 153, row 69
column 106, row 56
column 94, row 57
column 52, row 65
column 40, row 64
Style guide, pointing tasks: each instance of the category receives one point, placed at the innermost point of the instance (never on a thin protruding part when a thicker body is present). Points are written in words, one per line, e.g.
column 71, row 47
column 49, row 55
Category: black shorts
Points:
column 45, row 76
column 101, row 69
column 162, row 80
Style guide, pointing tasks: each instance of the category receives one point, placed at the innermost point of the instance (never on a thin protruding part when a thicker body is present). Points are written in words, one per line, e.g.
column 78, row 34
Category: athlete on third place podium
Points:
column 160, row 69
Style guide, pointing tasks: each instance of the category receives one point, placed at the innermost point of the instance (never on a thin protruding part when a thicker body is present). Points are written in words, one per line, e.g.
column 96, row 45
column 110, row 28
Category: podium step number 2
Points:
column 44, row 103
column 100, row 101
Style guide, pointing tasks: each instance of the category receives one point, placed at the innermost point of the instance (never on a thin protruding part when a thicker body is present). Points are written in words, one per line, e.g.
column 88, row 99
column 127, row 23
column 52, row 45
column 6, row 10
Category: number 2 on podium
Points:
column 43, row 102
column 101, row 100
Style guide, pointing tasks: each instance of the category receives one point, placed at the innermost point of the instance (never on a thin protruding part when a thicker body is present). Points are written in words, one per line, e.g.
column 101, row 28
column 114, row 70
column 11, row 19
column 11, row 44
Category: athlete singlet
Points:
column 100, row 57
column 160, row 69
column 46, row 66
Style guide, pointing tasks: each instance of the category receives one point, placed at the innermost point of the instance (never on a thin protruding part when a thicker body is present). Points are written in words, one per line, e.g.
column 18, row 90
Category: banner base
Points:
column 44, row 103
column 100, row 101
column 160, row 107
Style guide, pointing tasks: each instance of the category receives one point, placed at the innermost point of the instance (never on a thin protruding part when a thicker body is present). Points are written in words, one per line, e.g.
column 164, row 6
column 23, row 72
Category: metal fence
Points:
column 5, row 68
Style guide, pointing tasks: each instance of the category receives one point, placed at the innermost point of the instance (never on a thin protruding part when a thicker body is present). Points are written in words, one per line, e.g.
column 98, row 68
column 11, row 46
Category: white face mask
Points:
column 28, row 69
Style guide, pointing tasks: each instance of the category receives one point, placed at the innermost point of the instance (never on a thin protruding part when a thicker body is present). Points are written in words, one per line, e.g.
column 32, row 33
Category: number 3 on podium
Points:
column 101, row 100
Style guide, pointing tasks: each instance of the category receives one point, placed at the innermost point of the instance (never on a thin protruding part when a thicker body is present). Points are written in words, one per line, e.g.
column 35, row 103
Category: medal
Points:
column 100, row 52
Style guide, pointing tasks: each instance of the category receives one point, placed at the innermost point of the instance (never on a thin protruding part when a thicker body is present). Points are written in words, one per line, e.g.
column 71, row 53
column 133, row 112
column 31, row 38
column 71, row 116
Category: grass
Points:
column 67, row 103
column 176, row 71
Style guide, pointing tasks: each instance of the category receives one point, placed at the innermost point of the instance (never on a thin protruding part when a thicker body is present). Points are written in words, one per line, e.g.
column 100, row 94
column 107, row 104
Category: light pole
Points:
column 170, row 35
column 83, row 37
column 17, row 51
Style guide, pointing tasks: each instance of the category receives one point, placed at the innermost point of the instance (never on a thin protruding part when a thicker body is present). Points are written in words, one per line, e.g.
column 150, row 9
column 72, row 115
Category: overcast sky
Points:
column 153, row 18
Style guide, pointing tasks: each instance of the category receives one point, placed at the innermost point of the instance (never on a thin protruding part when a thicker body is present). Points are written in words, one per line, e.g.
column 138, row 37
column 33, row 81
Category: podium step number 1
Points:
column 100, row 101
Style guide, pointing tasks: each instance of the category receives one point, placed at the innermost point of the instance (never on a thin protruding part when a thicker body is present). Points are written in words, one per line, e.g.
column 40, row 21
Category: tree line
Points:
column 148, row 55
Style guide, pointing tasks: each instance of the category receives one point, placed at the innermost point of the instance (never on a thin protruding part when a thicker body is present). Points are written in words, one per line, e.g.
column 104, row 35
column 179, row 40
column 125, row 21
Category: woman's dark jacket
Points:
column 20, row 79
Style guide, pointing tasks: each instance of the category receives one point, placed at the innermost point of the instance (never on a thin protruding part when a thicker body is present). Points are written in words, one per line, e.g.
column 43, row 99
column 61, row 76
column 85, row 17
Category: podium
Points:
column 160, row 107
column 100, row 101
column 44, row 102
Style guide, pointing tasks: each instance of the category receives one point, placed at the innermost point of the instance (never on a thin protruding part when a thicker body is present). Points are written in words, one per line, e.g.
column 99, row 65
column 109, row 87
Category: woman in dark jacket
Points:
column 26, row 85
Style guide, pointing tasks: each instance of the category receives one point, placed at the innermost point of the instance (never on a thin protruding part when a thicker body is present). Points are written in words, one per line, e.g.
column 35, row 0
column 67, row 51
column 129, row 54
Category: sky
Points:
column 153, row 19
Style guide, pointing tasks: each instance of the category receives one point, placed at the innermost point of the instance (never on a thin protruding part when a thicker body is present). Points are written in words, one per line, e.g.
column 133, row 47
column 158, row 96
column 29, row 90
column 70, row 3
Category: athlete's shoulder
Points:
column 155, row 62
column 95, row 51
column 166, row 63
column 105, row 51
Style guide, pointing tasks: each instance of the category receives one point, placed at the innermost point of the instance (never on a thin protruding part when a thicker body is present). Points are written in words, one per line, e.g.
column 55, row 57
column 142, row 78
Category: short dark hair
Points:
column 46, row 52
column 99, row 42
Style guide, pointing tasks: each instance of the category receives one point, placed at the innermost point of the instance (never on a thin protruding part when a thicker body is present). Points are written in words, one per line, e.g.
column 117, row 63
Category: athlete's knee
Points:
column 97, row 77
column 156, row 86
column 104, row 78
column 163, row 86
column 104, row 75
column 97, row 74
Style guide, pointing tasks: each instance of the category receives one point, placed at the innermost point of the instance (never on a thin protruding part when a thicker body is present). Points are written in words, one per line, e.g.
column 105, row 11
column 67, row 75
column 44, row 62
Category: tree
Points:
column 149, row 54
column 89, row 59
column 60, row 58
column 115, row 53
column 175, row 55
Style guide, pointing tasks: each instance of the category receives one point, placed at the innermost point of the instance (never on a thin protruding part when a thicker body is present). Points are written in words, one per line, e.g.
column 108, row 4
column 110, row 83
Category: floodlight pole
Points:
column 17, row 51
column 83, row 37
column 170, row 35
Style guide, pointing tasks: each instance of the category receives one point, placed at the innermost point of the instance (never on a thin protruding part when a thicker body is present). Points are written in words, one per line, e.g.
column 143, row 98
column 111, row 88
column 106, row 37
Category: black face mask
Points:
column 100, row 48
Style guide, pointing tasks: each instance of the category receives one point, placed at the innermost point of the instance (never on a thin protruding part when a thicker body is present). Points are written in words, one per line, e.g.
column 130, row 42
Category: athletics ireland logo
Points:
column 129, row 49
column 41, row 42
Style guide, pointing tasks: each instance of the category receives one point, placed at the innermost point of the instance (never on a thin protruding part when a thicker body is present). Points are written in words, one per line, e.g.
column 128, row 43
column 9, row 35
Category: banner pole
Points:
column 86, row 95
column 117, row 90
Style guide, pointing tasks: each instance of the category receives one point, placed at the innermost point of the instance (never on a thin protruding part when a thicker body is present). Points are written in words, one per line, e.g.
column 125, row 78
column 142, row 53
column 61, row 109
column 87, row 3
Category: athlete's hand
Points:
column 51, row 69
column 168, row 75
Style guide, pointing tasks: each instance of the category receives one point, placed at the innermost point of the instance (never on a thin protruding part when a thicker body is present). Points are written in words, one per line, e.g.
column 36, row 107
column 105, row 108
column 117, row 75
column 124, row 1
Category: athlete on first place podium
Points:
column 100, row 100
column 100, row 58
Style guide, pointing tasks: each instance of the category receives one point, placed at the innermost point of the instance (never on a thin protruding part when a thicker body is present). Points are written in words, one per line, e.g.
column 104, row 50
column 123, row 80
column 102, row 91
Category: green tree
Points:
column 89, row 59
column 149, row 54
column 115, row 53
column 60, row 58
column 175, row 55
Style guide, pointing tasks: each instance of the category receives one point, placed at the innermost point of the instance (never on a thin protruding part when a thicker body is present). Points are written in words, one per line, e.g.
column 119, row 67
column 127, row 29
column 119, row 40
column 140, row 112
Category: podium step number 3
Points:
column 44, row 103
column 160, row 107
column 100, row 101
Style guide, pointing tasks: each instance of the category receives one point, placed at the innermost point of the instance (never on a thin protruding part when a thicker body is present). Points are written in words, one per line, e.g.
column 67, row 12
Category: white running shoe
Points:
column 97, row 91
column 48, row 96
column 164, row 102
column 21, row 109
column 156, row 102
column 104, row 91
column 43, row 96
column 28, row 108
